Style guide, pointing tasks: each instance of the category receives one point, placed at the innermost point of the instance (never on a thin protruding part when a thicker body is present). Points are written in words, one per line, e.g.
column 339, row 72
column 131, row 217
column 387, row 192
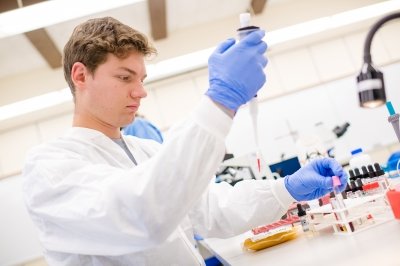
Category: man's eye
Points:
column 124, row 78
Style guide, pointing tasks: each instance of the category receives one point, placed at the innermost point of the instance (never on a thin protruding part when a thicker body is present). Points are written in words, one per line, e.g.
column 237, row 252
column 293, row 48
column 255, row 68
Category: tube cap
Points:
column 336, row 181
column 300, row 210
column 365, row 172
column 378, row 169
column 357, row 173
column 351, row 173
column 371, row 171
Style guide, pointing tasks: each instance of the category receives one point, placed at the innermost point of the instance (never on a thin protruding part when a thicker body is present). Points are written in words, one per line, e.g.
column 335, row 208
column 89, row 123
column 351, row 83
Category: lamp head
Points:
column 371, row 87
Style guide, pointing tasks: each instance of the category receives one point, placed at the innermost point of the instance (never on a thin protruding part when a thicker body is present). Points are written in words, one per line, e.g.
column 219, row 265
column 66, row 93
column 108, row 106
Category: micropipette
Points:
column 244, row 30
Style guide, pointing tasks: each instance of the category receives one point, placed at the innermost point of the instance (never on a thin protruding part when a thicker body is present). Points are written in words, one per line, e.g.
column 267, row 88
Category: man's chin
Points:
column 127, row 123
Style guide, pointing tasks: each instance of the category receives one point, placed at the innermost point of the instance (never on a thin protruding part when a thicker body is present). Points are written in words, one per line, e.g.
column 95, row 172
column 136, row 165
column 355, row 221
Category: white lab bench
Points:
column 378, row 245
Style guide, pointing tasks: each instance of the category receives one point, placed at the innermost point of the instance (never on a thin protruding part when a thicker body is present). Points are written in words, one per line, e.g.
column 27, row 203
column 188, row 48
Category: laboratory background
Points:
column 310, row 98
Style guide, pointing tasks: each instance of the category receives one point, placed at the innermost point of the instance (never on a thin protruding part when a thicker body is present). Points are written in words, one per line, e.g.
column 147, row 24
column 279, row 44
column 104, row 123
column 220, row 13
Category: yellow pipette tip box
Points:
column 269, row 239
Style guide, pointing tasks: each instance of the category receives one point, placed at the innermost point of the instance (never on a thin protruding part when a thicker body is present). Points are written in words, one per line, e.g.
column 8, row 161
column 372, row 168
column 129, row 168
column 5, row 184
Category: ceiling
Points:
column 157, row 18
column 168, row 22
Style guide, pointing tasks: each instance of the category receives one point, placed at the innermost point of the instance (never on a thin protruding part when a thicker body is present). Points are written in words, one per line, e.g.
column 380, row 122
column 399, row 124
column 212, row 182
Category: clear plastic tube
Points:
column 337, row 192
column 338, row 202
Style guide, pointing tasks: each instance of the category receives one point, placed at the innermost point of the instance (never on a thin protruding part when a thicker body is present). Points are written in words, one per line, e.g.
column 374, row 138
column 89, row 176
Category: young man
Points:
column 101, row 199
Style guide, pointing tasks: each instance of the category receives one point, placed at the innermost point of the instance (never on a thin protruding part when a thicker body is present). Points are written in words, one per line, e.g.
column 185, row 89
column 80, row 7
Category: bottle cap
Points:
column 359, row 150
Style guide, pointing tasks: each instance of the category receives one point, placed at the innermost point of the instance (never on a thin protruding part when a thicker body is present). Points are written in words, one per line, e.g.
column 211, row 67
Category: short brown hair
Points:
column 92, row 40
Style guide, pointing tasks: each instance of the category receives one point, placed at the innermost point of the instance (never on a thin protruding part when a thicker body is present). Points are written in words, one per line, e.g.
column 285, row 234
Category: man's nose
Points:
column 138, row 91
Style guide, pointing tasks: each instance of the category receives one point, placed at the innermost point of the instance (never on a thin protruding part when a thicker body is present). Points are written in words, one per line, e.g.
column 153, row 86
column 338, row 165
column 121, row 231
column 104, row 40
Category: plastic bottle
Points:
column 359, row 159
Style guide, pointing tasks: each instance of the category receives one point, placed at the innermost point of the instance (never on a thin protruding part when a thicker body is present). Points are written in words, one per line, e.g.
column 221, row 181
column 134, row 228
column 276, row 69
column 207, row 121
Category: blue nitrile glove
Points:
column 236, row 70
column 314, row 180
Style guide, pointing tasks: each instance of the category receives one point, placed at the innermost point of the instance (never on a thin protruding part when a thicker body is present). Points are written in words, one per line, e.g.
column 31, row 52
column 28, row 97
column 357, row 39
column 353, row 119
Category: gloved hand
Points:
column 236, row 70
column 314, row 180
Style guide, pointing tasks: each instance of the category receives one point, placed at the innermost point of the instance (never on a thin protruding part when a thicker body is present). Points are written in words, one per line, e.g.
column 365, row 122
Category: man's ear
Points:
column 78, row 74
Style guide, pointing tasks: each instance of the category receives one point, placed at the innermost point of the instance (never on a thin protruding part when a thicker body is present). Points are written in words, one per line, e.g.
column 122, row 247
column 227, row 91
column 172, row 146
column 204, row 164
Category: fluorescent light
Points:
column 331, row 22
column 35, row 103
column 178, row 65
column 52, row 12
column 199, row 59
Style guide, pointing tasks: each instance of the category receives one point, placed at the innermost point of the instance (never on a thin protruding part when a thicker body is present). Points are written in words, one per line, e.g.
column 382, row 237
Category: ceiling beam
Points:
column 7, row 5
column 158, row 19
column 39, row 38
column 258, row 6
column 31, row 2
column 42, row 41
column 45, row 46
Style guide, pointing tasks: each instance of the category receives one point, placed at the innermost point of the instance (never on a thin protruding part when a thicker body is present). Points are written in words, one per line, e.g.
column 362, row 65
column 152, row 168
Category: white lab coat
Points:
column 93, row 206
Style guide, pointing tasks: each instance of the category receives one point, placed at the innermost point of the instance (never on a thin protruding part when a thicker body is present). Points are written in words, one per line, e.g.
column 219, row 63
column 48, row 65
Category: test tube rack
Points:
column 359, row 214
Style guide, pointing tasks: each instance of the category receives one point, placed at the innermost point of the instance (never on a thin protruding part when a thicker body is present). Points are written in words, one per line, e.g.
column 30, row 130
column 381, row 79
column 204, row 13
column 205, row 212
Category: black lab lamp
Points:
column 371, row 85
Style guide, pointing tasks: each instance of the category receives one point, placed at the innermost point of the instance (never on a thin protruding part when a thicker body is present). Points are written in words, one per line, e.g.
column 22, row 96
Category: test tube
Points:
column 336, row 191
column 353, row 189
column 338, row 202
column 303, row 218
column 351, row 173
column 371, row 172
column 360, row 191
column 365, row 176
column 357, row 173
column 381, row 176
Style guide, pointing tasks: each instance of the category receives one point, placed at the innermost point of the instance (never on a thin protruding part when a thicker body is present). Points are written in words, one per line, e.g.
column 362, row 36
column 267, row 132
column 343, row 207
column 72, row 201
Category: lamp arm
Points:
column 371, row 33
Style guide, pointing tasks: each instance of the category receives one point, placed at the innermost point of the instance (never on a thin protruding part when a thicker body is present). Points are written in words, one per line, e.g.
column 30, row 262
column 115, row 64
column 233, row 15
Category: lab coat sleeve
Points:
column 226, row 210
column 90, row 207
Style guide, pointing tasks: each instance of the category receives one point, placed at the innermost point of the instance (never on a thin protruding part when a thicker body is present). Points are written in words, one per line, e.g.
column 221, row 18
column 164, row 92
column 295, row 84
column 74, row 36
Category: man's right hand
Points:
column 236, row 70
column 314, row 180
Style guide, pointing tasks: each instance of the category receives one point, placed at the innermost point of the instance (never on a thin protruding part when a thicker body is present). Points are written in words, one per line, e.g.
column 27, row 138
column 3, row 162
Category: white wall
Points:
column 18, row 237
column 332, row 103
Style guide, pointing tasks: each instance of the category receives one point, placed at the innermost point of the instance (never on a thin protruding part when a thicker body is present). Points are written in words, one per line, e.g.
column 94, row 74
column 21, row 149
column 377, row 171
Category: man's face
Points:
column 113, row 92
